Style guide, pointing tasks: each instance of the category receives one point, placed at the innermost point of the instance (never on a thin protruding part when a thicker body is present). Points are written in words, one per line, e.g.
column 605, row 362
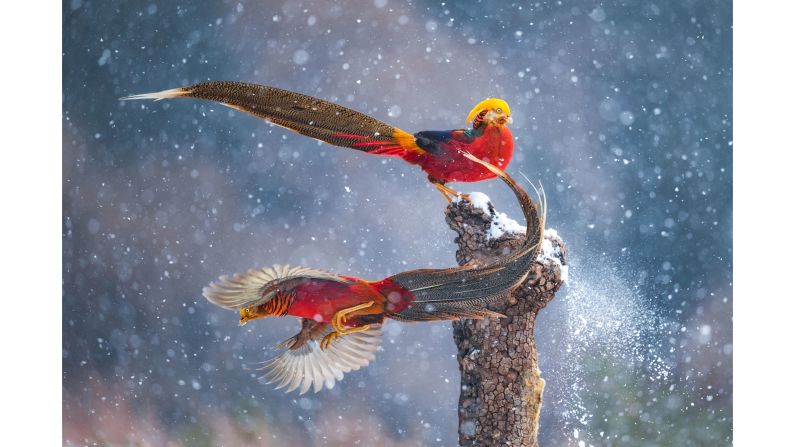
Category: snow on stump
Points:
column 501, row 385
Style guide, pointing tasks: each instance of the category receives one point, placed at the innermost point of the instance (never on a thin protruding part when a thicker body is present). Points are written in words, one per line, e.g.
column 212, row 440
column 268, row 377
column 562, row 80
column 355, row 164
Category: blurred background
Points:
column 622, row 110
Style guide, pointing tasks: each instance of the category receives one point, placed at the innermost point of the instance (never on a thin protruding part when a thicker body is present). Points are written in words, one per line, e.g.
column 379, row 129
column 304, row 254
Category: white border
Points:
column 30, row 181
column 764, row 222
column 764, row 112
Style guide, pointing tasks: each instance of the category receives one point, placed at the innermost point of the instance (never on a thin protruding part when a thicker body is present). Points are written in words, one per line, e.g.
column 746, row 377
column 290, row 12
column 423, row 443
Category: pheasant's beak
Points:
column 245, row 315
column 498, row 118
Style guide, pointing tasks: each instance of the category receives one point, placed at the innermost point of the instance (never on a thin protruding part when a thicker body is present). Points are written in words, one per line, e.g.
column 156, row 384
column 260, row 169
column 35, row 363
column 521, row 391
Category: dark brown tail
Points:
column 465, row 292
column 300, row 113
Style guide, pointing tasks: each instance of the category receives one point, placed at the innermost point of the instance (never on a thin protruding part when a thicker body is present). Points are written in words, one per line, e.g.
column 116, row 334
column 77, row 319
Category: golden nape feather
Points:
column 304, row 365
column 307, row 115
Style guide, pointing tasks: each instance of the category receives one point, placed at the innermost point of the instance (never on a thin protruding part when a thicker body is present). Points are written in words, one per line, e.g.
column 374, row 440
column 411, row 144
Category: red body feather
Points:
column 494, row 145
column 320, row 299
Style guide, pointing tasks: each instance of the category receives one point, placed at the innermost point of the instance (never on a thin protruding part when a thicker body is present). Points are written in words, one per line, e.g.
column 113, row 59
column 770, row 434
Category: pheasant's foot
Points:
column 351, row 330
column 328, row 339
column 341, row 317
column 449, row 193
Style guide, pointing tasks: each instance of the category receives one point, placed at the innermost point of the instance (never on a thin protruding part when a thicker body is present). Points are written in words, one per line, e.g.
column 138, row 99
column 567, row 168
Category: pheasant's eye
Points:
column 499, row 110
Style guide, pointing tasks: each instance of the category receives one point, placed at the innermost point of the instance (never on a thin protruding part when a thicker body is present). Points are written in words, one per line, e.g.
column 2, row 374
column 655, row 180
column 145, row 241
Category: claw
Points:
column 337, row 322
column 328, row 339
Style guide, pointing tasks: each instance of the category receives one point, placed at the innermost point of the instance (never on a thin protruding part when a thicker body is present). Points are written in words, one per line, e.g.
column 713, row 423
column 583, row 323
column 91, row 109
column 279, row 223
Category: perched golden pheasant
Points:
column 438, row 153
column 341, row 315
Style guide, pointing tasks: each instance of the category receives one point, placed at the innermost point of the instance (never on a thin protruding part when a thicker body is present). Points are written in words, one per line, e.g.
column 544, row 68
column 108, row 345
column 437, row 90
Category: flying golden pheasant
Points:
column 341, row 315
column 438, row 153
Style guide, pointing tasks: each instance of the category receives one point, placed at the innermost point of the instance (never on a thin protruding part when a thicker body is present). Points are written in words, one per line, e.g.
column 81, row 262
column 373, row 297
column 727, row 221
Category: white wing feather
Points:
column 310, row 367
column 245, row 289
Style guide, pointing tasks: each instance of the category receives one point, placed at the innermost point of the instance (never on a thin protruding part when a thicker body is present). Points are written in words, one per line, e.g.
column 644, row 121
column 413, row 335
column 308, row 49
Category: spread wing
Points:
column 245, row 289
column 307, row 115
column 304, row 365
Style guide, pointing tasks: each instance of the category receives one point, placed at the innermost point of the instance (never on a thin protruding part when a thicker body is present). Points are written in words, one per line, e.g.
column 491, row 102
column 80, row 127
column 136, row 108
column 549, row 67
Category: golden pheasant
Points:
column 438, row 153
column 340, row 315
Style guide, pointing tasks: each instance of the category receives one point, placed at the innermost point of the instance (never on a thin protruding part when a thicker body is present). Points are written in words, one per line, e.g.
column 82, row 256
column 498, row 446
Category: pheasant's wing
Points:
column 307, row 115
column 303, row 364
column 245, row 289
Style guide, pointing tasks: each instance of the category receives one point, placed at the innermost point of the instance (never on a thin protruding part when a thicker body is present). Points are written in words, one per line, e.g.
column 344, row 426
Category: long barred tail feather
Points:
column 450, row 310
column 306, row 115
column 157, row 96
column 461, row 292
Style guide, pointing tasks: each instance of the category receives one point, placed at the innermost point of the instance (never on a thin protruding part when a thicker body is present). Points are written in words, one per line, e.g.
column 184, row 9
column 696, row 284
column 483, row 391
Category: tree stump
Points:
column 501, row 385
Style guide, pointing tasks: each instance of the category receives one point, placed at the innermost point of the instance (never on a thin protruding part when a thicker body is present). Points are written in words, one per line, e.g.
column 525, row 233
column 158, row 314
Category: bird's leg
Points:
column 454, row 193
column 441, row 189
column 447, row 192
column 351, row 330
column 339, row 319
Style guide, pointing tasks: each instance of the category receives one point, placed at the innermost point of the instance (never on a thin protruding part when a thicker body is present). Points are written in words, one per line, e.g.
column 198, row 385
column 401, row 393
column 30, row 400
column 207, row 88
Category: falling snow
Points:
column 622, row 113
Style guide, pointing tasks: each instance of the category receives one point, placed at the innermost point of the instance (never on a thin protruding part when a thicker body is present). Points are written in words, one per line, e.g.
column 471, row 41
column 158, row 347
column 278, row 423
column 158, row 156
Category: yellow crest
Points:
column 486, row 104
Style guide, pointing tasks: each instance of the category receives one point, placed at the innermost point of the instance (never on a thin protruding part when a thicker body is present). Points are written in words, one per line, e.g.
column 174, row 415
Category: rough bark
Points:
column 501, row 385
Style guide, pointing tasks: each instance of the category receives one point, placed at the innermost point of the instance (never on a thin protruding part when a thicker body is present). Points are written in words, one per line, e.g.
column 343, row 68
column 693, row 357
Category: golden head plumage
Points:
column 495, row 104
